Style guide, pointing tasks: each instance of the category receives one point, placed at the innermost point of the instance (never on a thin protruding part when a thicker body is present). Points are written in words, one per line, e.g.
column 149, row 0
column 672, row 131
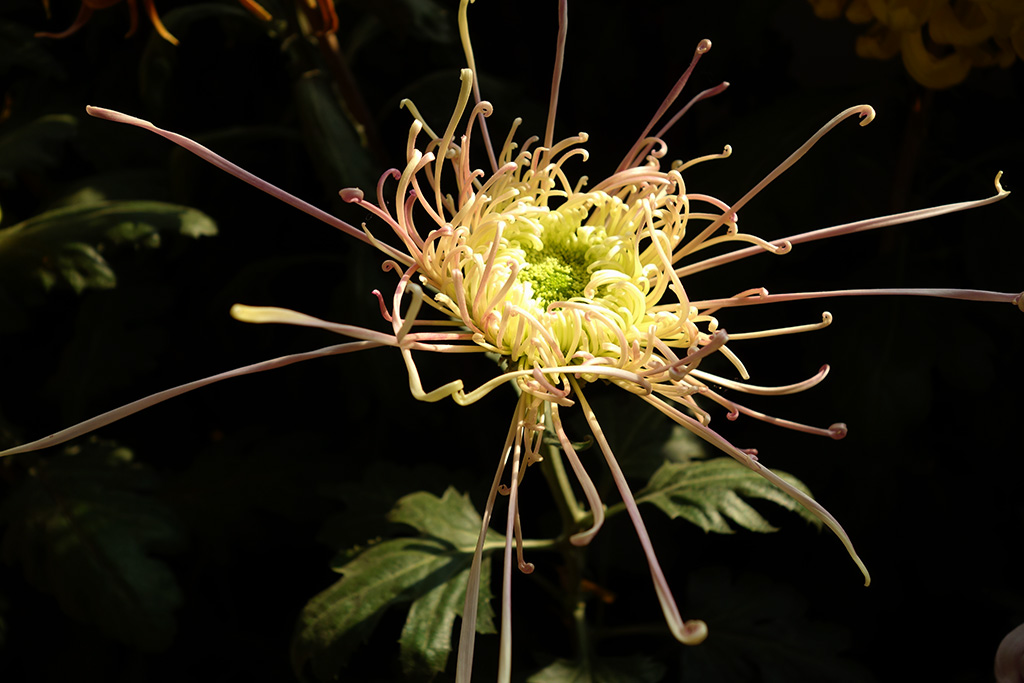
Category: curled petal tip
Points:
column 999, row 185
column 351, row 195
column 526, row 567
column 838, row 431
column 867, row 114
column 693, row 632
column 703, row 46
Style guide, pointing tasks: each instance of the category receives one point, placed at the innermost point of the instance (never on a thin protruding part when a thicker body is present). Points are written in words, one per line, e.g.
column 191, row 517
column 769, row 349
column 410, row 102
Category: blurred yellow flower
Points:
column 940, row 41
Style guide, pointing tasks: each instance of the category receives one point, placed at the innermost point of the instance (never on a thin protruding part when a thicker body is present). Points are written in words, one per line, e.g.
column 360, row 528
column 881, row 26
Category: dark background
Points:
column 270, row 475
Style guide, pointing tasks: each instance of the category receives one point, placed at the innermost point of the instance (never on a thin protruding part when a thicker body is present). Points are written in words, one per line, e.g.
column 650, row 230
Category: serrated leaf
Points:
column 65, row 243
column 431, row 570
column 451, row 517
column 636, row 669
column 711, row 493
column 426, row 639
column 84, row 529
column 337, row 620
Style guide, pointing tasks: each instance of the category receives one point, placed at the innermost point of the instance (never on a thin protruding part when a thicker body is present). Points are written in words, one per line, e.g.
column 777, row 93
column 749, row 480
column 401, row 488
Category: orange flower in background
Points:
column 940, row 41
column 89, row 6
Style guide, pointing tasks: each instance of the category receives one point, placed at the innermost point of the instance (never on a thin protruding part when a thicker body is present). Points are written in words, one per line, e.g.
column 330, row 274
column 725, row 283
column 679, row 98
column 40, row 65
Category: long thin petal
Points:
column 467, row 635
column 849, row 229
column 690, row 632
column 161, row 396
column 717, row 440
column 220, row 162
column 589, row 490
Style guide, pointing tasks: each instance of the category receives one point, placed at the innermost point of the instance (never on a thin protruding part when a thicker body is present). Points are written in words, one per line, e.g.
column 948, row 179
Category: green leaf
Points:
column 451, row 517
column 431, row 570
column 636, row 669
column 66, row 243
column 426, row 639
column 711, row 493
column 84, row 527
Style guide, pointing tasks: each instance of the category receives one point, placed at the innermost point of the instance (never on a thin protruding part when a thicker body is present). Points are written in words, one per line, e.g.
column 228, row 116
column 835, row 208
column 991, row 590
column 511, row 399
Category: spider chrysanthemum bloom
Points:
column 569, row 282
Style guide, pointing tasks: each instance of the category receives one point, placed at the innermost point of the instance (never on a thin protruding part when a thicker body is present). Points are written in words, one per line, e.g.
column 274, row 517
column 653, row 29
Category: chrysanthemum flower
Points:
column 939, row 41
column 569, row 283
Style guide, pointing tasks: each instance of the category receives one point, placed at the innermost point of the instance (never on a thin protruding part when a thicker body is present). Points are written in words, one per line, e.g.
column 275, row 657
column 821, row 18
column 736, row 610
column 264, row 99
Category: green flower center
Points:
column 556, row 273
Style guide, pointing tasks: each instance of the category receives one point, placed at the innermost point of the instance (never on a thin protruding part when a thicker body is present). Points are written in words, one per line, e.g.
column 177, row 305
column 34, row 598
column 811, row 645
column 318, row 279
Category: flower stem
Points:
column 561, row 490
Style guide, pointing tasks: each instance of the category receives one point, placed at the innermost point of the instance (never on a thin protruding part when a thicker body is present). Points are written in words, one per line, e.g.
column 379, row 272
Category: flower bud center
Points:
column 558, row 272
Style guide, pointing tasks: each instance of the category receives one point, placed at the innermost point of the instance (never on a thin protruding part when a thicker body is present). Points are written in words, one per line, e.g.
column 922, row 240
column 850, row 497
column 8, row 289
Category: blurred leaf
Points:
column 636, row 669
column 421, row 20
column 430, row 19
column 32, row 145
column 709, row 493
column 432, row 571
column 335, row 145
column 20, row 48
column 66, row 243
column 83, row 528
